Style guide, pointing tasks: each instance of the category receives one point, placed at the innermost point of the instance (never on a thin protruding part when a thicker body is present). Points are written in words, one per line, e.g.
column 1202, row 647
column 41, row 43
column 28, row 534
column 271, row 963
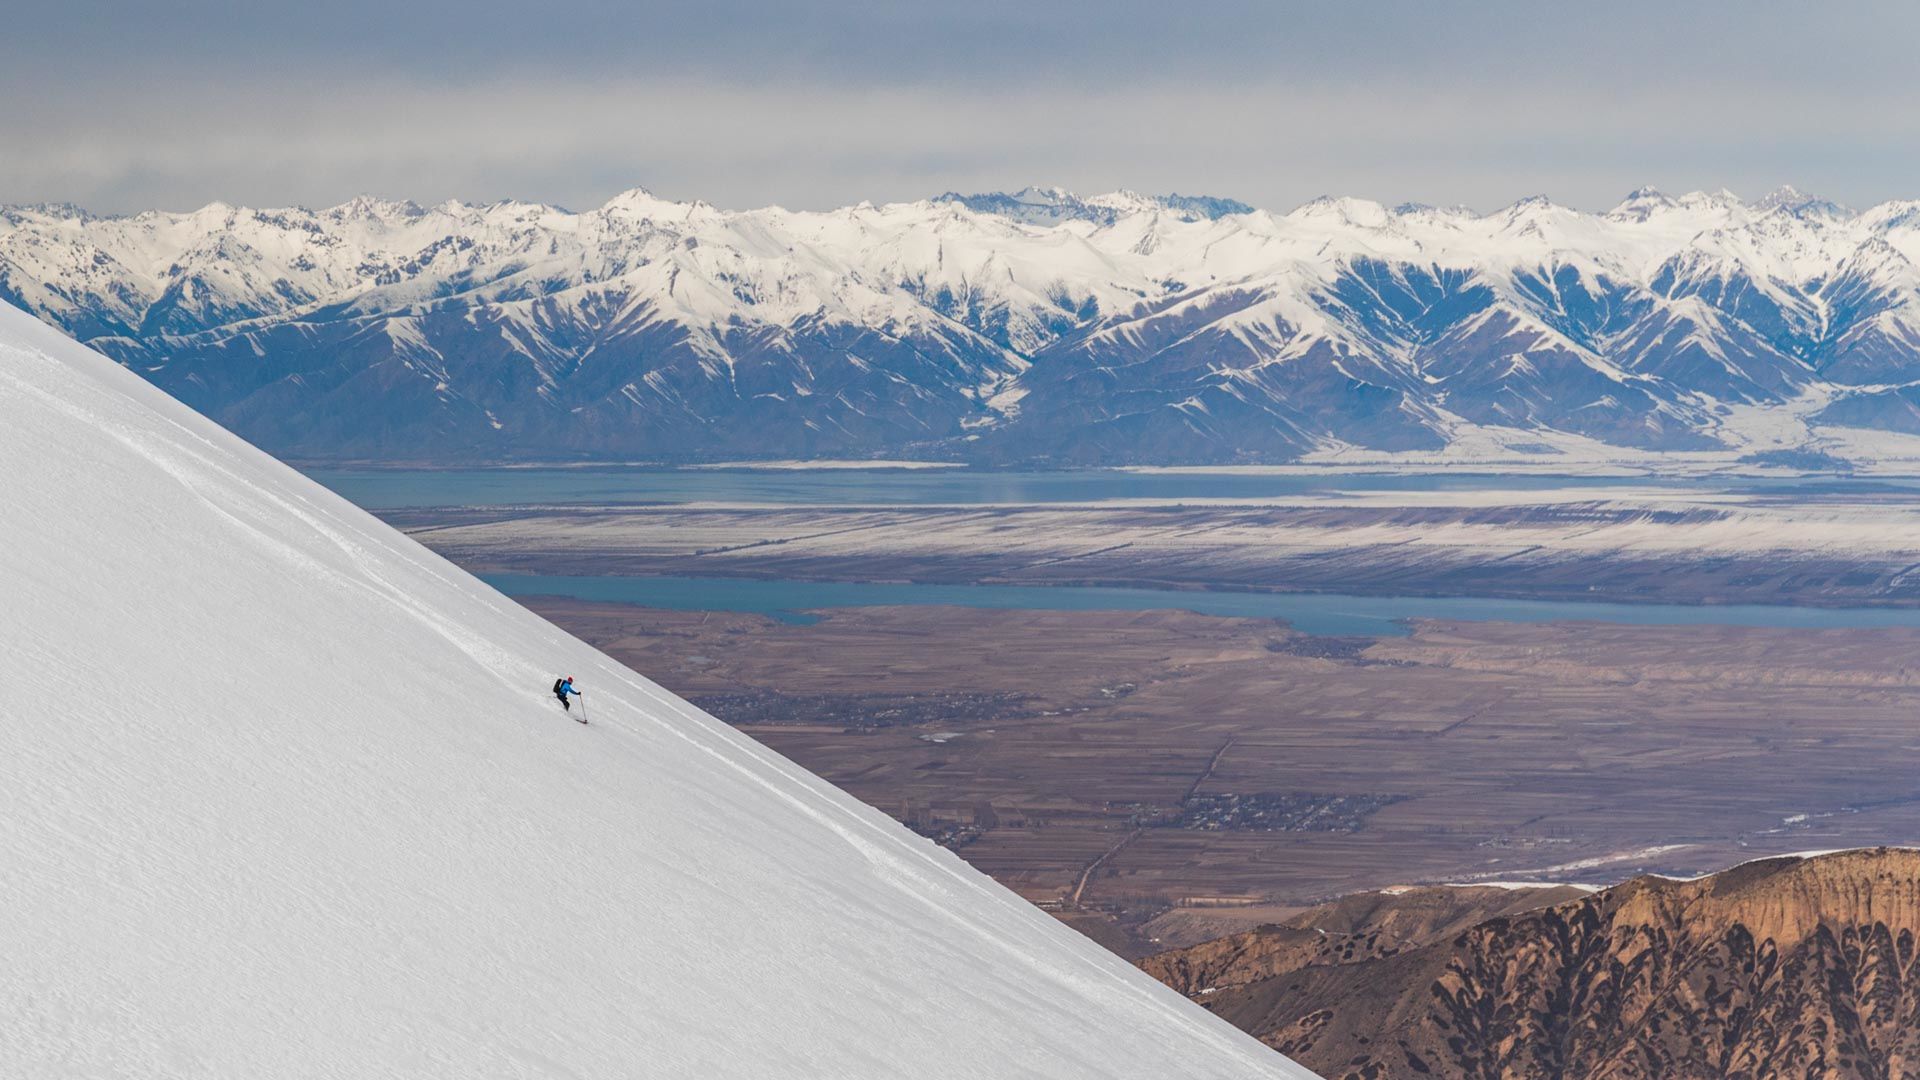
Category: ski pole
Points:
column 583, row 707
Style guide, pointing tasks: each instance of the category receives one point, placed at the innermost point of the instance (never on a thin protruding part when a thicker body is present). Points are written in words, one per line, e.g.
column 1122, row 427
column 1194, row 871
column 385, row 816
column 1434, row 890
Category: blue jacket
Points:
column 566, row 688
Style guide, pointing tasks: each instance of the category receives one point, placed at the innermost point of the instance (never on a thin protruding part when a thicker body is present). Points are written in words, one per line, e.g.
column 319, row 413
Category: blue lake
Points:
column 394, row 489
column 1313, row 613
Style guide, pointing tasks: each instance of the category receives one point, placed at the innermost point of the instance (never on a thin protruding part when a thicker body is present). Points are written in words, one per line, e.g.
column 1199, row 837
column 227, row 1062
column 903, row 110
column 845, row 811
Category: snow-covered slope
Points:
column 1037, row 325
column 281, row 794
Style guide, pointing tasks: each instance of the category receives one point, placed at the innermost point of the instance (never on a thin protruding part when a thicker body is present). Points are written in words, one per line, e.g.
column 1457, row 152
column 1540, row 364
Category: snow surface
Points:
column 282, row 794
column 876, row 264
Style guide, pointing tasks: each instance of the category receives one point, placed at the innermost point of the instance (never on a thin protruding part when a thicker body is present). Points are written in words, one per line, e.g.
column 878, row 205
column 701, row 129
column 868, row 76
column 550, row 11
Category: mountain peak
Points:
column 60, row 211
column 1031, row 205
column 1046, row 195
column 1640, row 204
column 636, row 201
column 1455, row 211
column 369, row 206
column 1788, row 199
column 1212, row 207
column 1344, row 210
column 1533, row 208
column 1048, row 206
column 1710, row 200
column 1128, row 202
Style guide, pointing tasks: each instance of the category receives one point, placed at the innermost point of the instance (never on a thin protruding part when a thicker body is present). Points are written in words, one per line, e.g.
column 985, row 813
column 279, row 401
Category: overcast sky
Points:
column 118, row 106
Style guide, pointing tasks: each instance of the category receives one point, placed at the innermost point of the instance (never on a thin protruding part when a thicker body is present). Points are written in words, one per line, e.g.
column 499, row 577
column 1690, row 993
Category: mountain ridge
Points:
column 1030, row 327
column 1791, row 965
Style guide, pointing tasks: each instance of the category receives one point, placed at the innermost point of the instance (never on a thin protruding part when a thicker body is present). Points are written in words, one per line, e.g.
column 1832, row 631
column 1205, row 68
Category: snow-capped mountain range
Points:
column 1030, row 327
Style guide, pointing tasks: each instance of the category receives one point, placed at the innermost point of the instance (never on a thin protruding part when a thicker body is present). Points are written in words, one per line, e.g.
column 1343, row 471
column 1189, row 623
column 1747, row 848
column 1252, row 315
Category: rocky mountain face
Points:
column 1031, row 327
column 1801, row 967
column 1364, row 926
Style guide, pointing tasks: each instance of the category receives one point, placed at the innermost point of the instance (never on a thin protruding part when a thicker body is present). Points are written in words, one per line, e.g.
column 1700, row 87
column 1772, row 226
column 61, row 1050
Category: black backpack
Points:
column 557, row 684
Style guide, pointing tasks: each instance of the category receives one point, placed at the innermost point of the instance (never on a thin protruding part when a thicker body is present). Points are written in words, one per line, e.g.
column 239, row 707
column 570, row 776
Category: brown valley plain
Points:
column 1161, row 778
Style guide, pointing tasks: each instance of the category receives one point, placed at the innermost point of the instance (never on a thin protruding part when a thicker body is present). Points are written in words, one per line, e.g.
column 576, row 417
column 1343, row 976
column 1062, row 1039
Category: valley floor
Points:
column 1170, row 776
column 1321, row 824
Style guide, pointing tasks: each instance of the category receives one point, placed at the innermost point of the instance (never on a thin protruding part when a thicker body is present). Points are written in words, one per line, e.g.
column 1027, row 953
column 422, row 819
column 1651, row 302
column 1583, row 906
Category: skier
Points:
column 561, row 688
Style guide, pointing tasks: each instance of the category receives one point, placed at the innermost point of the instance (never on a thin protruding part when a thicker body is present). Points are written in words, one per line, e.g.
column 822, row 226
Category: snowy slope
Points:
column 281, row 795
column 1037, row 325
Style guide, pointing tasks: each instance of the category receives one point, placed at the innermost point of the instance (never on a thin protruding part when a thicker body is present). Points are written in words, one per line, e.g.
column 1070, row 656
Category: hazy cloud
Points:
column 745, row 103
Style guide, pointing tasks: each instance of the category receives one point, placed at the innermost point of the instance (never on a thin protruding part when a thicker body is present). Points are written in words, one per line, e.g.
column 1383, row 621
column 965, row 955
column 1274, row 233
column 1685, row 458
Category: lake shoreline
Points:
column 1720, row 552
column 1316, row 614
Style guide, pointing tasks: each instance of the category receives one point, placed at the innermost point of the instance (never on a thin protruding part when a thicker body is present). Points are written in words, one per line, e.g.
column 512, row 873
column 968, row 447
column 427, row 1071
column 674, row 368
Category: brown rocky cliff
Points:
column 1363, row 926
column 1781, row 968
column 1213, row 966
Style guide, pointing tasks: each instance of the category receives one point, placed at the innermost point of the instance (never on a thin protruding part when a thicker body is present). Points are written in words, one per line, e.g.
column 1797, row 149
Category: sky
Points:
column 119, row 107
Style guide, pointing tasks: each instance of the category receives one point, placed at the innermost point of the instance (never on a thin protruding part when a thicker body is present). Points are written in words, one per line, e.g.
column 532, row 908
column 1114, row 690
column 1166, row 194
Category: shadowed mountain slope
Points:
column 1031, row 327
